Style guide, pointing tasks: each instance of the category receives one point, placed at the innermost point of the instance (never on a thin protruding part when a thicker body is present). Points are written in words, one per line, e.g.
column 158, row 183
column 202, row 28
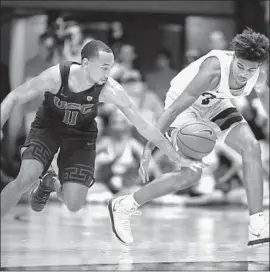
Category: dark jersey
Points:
column 68, row 109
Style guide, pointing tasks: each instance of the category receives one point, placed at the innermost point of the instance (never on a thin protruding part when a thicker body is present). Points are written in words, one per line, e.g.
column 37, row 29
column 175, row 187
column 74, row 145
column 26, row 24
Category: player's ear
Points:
column 85, row 62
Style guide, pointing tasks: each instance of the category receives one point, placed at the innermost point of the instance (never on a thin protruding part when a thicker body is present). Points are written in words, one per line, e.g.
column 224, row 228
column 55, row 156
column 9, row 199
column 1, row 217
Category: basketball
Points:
column 196, row 140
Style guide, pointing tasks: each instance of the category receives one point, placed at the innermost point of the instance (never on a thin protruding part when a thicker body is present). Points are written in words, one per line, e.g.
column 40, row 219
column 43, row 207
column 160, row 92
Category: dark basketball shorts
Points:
column 222, row 122
column 76, row 160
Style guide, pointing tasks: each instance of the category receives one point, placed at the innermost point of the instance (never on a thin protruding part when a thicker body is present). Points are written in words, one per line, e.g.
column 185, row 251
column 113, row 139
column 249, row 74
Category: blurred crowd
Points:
column 119, row 146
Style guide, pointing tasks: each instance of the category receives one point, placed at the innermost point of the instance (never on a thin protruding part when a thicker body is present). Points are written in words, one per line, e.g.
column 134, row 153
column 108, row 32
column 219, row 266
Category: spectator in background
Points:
column 42, row 60
column 19, row 124
column 145, row 99
column 118, row 155
column 35, row 66
column 192, row 55
column 115, row 38
column 159, row 79
column 74, row 42
column 125, row 63
column 217, row 41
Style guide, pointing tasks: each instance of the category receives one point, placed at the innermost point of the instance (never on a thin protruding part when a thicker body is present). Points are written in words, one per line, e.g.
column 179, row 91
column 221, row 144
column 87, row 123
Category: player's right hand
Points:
column 192, row 164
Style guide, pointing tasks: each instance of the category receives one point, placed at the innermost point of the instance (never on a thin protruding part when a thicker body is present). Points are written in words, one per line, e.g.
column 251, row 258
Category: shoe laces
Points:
column 45, row 196
column 124, row 215
column 42, row 196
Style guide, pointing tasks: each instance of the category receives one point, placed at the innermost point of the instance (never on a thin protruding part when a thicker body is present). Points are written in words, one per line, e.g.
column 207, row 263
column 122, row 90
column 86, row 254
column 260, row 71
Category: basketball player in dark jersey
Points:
column 66, row 121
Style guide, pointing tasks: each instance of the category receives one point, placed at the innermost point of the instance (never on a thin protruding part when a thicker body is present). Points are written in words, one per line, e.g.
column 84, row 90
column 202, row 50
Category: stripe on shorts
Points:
column 227, row 118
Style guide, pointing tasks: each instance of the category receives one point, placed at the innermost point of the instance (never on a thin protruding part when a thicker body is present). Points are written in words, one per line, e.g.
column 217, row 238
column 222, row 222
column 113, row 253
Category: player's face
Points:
column 98, row 69
column 243, row 70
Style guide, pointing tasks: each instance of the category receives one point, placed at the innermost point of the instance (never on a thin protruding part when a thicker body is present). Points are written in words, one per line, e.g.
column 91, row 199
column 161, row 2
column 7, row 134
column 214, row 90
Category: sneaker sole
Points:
column 258, row 242
column 112, row 222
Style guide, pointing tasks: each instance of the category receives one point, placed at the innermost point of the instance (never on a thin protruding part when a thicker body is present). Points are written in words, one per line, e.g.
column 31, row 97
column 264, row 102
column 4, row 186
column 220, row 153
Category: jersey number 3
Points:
column 208, row 97
column 70, row 117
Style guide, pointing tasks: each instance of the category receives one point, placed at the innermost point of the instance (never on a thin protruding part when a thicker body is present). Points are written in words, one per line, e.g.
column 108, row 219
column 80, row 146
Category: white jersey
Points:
column 211, row 98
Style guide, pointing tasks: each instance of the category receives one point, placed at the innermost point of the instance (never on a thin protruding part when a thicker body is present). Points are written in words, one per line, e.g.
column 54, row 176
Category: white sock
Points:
column 256, row 220
column 129, row 201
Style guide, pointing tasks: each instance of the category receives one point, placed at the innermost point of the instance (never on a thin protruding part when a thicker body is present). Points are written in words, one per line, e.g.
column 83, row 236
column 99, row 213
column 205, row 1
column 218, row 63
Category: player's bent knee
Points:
column 29, row 174
column 74, row 206
column 186, row 178
column 192, row 176
column 74, row 195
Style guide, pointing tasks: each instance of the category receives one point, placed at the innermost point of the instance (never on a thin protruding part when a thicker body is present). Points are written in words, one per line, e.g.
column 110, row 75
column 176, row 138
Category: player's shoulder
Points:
column 211, row 63
column 212, row 60
column 51, row 73
column 210, row 69
column 51, row 78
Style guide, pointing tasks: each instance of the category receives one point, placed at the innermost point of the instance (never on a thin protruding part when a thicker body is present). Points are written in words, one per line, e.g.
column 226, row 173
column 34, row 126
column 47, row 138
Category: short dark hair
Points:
column 250, row 45
column 92, row 49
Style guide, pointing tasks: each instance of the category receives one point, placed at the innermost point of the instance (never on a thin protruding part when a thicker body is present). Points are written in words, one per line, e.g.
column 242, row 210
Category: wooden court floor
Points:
column 167, row 238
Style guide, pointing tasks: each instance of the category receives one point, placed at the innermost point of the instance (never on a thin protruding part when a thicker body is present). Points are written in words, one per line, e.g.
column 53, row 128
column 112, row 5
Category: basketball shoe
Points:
column 40, row 195
column 120, row 210
column 259, row 232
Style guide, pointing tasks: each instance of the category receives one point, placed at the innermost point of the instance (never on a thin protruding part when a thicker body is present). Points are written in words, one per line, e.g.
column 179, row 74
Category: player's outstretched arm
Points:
column 262, row 90
column 47, row 81
column 206, row 79
column 114, row 93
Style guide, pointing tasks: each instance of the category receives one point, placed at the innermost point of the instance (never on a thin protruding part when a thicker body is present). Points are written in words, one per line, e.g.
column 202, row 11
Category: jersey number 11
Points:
column 70, row 117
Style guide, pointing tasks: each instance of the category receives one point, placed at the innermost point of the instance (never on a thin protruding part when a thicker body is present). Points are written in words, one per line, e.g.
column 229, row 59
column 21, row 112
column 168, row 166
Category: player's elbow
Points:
column 179, row 106
column 173, row 112
column 148, row 131
column 154, row 135
column 13, row 98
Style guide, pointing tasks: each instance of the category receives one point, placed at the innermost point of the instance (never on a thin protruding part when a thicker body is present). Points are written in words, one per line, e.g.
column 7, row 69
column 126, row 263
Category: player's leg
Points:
column 76, row 164
column 238, row 135
column 166, row 184
column 121, row 208
column 29, row 173
column 36, row 156
column 158, row 187
column 242, row 139
column 42, row 145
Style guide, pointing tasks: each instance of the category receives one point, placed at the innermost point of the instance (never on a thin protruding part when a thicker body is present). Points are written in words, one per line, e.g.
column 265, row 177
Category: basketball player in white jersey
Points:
column 202, row 91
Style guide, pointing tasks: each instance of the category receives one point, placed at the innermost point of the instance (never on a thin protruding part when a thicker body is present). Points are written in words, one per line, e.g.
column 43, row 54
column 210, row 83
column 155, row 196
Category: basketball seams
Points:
column 190, row 140
column 191, row 148
column 199, row 137
column 188, row 124
column 197, row 123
